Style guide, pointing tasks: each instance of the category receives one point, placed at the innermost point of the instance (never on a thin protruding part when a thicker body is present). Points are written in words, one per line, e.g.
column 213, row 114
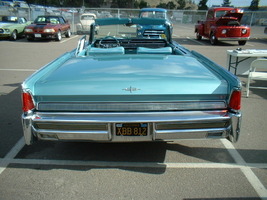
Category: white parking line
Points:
column 195, row 41
column 68, row 39
column 133, row 164
column 252, row 178
column 12, row 153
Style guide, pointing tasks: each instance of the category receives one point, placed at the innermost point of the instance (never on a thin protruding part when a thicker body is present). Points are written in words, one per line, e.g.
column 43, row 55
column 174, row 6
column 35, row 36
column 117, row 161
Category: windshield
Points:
column 118, row 31
column 9, row 19
column 47, row 19
column 153, row 14
column 130, row 28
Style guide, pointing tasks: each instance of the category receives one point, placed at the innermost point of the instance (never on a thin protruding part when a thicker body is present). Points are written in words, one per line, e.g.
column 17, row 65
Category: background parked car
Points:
column 12, row 27
column 52, row 27
column 86, row 19
column 263, row 22
column 153, row 31
column 223, row 24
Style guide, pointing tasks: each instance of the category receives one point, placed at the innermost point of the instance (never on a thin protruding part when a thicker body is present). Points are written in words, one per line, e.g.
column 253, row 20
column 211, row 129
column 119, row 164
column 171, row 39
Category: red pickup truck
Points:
column 223, row 23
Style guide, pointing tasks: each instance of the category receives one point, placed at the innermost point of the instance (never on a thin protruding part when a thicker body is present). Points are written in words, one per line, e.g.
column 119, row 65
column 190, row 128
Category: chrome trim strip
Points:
column 120, row 117
column 129, row 106
column 188, row 133
column 75, row 135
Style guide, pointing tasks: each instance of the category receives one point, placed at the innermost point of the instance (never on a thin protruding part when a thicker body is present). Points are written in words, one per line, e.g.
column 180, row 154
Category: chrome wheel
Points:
column 198, row 36
column 14, row 35
column 59, row 36
column 213, row 39
column 68, row 33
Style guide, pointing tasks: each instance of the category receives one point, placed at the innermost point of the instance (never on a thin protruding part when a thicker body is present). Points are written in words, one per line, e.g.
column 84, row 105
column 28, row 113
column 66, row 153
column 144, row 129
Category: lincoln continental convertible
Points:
column 119, row 87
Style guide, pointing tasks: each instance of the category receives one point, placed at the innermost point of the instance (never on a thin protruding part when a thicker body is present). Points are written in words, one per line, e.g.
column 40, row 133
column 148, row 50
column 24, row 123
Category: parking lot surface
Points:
column 189, row 170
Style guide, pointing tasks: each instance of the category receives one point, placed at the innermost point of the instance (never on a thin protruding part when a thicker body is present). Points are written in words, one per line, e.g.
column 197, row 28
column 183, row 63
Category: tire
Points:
column 198, row 36
column 68, row 33
column 213, row 39
column 242, row 42
column 30, row 39
column 14, row 36
column 58, row 36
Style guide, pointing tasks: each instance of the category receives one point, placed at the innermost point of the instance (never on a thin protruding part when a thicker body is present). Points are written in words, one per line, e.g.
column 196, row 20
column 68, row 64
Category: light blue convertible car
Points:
column 118, row 87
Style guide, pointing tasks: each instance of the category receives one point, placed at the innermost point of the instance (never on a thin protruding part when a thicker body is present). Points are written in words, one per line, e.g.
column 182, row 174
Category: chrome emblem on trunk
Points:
column 131, row 89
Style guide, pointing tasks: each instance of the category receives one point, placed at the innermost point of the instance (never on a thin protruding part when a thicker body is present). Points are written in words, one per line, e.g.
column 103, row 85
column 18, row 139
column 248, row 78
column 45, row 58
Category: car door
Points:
column 209, row 22
column 22, row 23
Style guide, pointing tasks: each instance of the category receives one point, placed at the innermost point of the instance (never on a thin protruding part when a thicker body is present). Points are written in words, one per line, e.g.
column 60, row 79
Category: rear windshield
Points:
column 118, row 31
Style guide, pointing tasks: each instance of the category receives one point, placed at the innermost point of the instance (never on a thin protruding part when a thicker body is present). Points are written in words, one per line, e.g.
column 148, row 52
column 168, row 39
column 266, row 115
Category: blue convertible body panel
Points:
column 153, row 74
column 123, row 88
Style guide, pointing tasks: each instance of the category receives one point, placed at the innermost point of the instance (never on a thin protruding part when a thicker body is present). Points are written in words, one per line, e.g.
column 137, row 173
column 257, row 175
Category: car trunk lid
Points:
column 135, row 78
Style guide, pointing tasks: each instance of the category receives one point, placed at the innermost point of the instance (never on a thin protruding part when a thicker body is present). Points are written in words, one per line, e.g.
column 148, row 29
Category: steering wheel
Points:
column 102, row 43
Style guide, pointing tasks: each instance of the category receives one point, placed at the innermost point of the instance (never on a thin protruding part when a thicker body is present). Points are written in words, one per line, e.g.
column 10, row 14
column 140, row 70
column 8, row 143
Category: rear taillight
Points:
column 27, row 102
column 235, row 100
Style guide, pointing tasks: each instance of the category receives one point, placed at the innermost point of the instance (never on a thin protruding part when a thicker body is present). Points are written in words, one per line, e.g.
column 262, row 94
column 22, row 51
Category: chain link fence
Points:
column 189, row 17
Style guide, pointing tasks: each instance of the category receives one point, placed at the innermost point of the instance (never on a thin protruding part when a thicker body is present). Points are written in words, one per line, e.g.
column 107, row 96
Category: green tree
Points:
column 162, row 5
column 226, row 3
column 181, row 4
column 254, row 5
column 171, row 5
column 202, row 5
column 122, row 3
column 92, row 3
column 140, row 4
column 143, row 4
column 191, row 5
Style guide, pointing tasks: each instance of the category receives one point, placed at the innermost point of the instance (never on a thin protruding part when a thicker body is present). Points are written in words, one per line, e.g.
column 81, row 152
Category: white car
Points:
column 86, row 19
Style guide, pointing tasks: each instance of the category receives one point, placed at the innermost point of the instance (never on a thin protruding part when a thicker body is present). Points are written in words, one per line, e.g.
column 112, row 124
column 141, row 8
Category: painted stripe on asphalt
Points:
column 240, row 164
column 193, row 40
column 251, row 177
column 133, row 164
column 12, row 153
column 68, row 39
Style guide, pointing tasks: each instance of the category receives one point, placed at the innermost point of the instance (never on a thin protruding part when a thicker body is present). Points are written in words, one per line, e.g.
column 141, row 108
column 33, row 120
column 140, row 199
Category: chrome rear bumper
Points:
column 100, row 126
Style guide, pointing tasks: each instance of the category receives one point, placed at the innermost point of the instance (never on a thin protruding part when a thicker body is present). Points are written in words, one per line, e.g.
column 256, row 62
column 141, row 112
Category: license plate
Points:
column 37, row 35
column 131, row 129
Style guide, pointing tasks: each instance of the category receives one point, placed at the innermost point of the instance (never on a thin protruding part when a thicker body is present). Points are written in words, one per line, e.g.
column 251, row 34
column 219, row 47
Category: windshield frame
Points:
column 128, row 22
